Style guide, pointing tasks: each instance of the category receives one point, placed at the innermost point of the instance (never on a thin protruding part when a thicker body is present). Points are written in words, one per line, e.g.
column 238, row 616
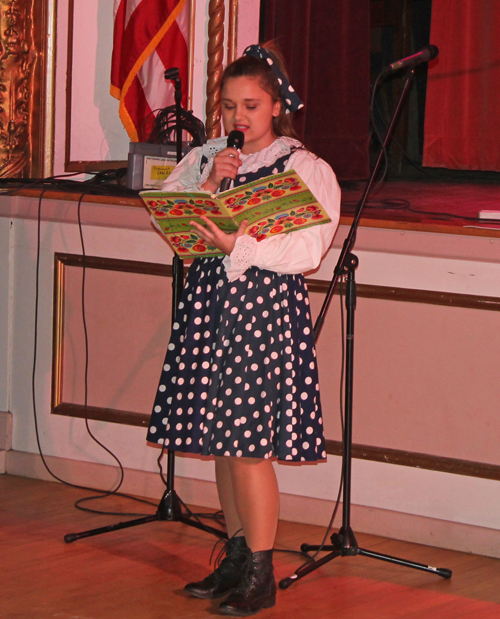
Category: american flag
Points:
column 149, row 37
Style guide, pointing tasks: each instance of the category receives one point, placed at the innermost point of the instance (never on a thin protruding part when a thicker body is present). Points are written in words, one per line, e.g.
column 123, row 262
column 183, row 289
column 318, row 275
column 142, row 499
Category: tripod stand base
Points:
column 169, row 509
column 344, row 544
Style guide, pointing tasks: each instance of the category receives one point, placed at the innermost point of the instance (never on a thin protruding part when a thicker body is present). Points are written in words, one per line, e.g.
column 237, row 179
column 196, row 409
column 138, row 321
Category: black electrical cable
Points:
column 329, row 527
column 33, row 381
column 100, row 184
column 164, row 130
column 101, row 493
column 377, row 133
column 374, row 106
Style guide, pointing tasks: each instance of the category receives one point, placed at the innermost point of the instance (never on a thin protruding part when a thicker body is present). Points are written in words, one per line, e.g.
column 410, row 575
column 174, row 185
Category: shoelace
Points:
column 222, row 551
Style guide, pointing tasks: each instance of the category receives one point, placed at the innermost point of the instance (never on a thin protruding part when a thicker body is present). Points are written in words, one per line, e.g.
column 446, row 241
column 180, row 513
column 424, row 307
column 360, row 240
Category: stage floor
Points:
column 140, row 572
column 449, row 203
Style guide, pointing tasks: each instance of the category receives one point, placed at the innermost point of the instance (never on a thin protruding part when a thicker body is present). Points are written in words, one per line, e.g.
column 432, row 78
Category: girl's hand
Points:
column 225, row 165
column 215, row 236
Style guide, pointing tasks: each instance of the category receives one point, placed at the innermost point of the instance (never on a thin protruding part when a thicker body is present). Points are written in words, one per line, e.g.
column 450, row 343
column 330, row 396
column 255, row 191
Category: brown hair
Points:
column 250, row 66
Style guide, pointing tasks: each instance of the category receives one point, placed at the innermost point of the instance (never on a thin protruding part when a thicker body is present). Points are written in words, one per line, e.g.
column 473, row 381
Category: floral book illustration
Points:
column 276, row 204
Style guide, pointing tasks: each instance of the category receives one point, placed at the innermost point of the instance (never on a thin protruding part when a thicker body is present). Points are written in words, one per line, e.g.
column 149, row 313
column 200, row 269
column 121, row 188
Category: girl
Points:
column 240, row 378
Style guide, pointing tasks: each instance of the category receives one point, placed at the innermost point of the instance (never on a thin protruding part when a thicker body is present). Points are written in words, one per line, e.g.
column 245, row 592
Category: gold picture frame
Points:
column 72, row 392
column 27, row 38
column 78, row 165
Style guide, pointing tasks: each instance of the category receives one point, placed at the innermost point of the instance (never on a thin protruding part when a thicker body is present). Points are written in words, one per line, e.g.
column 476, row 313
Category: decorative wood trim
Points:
column 216, row 11
column 428, row 462
column 232, row 34
column 43, row 163
column 418, row 460
column 69, row 88
column 96, row 413
column 363, row 452
column 112, row 264
column 57, row 333
column 61, row 261
column 389, row 293
column 215, row 68
column 460, row 227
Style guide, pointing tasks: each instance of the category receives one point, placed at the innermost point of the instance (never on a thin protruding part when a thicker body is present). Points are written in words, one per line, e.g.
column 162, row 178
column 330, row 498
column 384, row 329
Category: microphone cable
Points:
column 312, row 558
column 102, row 493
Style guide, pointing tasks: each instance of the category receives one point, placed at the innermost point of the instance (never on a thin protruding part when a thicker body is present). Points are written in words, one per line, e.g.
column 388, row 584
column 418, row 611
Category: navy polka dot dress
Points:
column 240, row 375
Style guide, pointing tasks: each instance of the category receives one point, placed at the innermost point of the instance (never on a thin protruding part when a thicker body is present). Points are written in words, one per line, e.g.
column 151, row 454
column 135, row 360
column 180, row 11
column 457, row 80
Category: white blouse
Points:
column 295, row 252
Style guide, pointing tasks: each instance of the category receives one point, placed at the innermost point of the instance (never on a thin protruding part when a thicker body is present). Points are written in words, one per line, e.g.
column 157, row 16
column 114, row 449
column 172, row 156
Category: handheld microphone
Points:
column 424, row 55
column 235, row 139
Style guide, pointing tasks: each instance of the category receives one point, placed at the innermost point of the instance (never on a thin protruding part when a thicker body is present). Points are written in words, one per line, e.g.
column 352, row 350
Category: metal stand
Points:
column 344, row 542
column 170, row 506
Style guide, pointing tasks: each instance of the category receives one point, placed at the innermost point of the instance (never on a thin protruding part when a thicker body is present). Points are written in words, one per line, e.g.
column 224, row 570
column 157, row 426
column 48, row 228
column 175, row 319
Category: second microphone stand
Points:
column 344, row 542
column 170, row 506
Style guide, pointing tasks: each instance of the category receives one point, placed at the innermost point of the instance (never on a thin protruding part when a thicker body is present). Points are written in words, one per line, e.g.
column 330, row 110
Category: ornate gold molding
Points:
column 17, row 60
column 27, row 34
column 232, row 35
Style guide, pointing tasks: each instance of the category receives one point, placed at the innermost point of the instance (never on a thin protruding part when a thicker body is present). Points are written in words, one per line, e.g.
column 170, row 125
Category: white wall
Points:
column 97, row 132
column 413, row 492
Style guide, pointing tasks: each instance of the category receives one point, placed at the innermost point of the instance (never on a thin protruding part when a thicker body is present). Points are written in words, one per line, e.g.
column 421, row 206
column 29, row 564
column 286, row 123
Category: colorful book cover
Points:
column 276, row 204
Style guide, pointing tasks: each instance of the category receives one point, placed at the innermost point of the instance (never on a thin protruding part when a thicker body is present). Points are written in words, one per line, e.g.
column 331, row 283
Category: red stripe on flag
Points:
column 144, row 24
column 151, row 28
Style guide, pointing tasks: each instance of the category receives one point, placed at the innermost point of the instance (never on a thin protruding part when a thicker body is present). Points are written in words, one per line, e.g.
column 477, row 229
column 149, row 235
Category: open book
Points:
column 272, row 205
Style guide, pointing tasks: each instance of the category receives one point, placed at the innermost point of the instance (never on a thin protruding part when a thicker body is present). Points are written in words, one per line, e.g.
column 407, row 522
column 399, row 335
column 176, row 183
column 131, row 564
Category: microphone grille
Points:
column 433, row 52
column 235, row 139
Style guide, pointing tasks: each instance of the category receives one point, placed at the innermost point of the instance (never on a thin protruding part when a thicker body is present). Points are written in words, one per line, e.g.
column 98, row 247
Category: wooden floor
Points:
column 139, row 572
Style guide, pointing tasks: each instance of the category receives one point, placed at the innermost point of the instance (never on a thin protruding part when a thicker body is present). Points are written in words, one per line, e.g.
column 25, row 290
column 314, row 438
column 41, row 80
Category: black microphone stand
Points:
column 170, row 506
column 344, row 542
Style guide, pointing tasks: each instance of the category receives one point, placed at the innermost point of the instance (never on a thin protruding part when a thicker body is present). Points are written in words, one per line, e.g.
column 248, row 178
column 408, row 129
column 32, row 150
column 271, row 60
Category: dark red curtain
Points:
column 462, row 127
column 326, row 44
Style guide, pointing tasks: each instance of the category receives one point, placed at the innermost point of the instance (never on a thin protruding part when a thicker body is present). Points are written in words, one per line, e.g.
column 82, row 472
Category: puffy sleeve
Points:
column 186, row 174
column 300, row 251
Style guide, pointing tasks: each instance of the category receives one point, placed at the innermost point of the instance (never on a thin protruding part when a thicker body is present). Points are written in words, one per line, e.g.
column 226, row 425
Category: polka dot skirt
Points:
column 240, row 375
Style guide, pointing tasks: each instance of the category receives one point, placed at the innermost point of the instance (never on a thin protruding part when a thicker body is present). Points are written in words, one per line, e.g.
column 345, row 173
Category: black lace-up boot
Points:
column 227, row 574
column 257, row 589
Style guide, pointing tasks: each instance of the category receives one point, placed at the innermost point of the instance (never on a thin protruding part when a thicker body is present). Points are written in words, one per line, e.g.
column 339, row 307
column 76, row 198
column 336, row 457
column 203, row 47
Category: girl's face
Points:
column 250, row 109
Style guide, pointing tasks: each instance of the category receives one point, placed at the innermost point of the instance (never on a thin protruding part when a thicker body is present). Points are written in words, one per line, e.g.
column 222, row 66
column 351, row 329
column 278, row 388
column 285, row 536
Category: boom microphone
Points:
column 424, row 55
column 235, row 139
